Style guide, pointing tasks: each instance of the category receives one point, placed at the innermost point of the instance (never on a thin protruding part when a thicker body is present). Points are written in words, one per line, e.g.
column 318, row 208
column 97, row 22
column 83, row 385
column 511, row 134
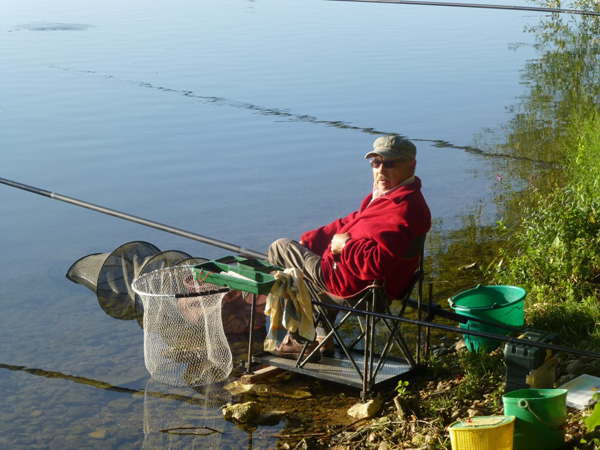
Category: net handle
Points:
column 201, row 294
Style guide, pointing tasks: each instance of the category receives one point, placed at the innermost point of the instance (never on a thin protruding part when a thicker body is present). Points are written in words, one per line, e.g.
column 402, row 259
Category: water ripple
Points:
column 44, row 26
column 294, row 117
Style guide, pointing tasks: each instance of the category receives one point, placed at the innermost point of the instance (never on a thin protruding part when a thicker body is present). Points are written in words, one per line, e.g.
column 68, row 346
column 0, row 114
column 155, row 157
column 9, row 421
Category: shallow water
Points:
column 240, row 120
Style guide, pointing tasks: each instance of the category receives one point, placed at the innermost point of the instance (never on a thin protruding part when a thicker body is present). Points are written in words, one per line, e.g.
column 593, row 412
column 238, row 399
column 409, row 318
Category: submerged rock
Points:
column 237, row 387
column 270, row 418
column 98, row 434
column 242, row 412
column 308, row 444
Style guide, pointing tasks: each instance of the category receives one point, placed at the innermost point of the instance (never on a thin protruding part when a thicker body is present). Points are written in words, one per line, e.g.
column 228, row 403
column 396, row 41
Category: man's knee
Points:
column 277, row 249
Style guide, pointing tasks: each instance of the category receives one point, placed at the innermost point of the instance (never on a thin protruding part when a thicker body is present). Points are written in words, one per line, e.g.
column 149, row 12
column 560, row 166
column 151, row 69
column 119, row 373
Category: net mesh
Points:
column 184, row 340
column 110, row 275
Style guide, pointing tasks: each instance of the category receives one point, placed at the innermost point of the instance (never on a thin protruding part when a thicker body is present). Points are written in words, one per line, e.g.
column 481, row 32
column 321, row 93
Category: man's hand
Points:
column 338, row 241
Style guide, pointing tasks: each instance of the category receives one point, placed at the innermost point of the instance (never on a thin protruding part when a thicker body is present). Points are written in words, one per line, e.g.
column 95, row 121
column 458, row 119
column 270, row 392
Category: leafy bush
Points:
column 554, row 251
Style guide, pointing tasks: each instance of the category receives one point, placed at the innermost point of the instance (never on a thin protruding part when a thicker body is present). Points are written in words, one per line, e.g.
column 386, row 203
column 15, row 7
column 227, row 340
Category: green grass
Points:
column 553, row 251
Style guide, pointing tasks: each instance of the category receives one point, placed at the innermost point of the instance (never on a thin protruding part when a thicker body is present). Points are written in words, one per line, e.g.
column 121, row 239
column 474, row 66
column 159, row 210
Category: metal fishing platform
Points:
column 338, row 369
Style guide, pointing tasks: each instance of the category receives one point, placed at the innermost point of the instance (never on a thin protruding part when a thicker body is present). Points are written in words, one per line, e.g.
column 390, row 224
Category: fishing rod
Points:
column 450, row 328
column 136, row 219
column 478, row 5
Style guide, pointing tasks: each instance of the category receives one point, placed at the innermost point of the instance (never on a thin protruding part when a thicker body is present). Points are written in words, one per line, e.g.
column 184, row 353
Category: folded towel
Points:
column 289, row 308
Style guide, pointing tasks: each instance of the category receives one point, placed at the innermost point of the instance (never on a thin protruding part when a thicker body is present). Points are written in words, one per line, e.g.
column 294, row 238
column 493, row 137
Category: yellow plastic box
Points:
column 483, row 433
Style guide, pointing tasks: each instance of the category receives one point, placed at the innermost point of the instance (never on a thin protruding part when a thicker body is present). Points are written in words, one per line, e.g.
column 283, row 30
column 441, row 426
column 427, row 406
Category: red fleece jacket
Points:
column 381, row 232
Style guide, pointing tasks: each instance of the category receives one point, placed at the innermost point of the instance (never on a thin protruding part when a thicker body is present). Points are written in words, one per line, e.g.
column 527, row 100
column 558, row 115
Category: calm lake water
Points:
column 240, row 120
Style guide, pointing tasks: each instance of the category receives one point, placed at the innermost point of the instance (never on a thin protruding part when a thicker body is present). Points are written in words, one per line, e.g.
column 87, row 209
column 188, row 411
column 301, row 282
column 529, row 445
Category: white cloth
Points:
column 289, row 307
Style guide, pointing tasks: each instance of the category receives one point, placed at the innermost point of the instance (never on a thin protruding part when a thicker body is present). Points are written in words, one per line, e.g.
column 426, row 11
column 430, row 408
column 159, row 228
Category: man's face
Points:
column 387, row 178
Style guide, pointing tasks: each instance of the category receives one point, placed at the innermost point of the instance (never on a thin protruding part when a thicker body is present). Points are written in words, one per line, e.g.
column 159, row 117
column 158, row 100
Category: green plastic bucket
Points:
column 498, row 304
column 541, row 415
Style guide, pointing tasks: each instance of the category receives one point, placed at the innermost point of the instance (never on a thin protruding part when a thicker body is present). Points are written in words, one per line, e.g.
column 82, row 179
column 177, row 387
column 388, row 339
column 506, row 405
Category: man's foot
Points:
column 328, row 348
column 290, row 348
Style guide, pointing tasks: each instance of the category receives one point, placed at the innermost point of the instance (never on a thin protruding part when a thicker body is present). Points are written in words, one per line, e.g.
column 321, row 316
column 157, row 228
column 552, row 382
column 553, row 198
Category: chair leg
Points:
column 302, row 360
column 367, row 351
column 397, row 338
column 334, row 332
column 251, row 336
column 373, row 363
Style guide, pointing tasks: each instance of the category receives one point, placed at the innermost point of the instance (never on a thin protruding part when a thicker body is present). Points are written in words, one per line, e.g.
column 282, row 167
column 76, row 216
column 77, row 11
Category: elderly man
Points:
column 347, row 255
column 370, row 244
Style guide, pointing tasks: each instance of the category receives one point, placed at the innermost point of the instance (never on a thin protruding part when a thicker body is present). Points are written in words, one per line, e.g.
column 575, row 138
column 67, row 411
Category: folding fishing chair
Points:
column 358, row 362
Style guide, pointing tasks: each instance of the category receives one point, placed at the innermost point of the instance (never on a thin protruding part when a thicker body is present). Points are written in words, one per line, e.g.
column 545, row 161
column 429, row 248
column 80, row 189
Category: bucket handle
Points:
column 524, row 404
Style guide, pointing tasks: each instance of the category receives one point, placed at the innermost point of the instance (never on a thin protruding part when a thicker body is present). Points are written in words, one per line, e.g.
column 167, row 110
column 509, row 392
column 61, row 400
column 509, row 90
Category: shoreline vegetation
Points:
column 548, row 242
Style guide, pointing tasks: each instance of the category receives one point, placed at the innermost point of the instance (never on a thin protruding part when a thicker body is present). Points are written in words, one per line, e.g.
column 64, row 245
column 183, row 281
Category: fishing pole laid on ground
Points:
column 259, row 255
column 477, row 333
column 479, row 5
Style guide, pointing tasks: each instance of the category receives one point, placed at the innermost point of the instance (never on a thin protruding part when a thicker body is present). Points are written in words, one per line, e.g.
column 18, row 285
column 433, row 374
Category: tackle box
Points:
column 238, row 273
column 529, row 366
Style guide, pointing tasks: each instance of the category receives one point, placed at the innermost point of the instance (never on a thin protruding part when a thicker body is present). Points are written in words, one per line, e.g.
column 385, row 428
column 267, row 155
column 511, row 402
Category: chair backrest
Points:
column 415, row 248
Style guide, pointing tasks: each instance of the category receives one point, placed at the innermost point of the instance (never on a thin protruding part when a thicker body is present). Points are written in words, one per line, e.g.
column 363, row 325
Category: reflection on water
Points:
column 81, row 380
column 562, row 84
column 178, row 418
column 170, row 417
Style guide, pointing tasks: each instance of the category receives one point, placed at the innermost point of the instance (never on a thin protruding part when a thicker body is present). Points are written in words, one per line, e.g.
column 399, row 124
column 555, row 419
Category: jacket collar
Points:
column 411, row 184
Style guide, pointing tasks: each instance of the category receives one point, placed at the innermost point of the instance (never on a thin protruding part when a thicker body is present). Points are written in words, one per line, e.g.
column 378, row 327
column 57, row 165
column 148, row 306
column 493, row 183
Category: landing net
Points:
column 184, row 341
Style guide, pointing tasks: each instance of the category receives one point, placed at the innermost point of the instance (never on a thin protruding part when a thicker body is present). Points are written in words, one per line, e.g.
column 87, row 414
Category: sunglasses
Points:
column 388, row 163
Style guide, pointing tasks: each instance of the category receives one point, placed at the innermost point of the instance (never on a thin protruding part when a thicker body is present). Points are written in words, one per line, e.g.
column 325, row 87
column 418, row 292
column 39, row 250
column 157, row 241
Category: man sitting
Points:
column 347, row 255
